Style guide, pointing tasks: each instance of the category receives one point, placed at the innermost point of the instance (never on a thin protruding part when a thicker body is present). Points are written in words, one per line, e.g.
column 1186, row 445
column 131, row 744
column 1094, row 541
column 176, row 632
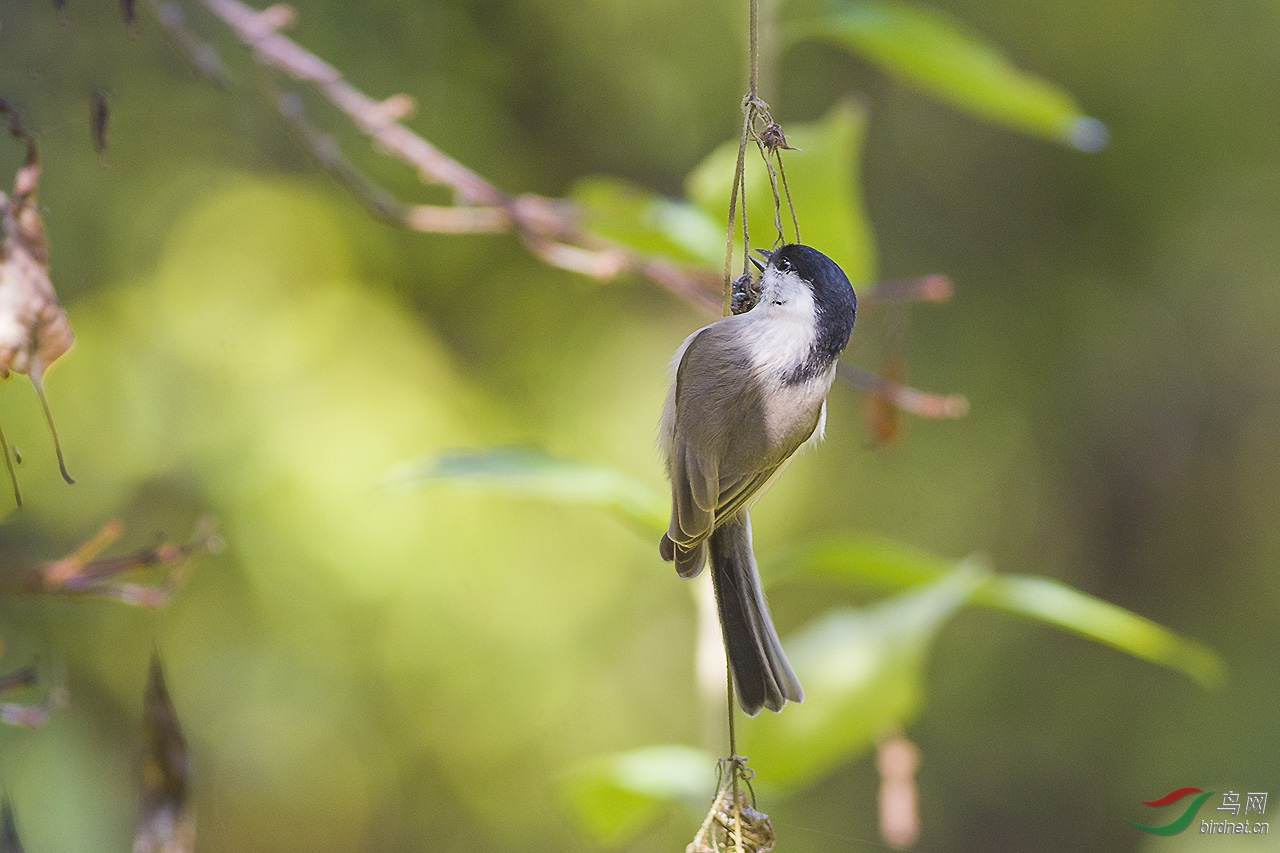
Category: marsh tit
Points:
column 749, row 390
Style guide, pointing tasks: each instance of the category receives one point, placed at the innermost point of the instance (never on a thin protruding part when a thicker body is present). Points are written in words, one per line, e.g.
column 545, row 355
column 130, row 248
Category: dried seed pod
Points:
column 733, row 825
column 773, row 138
column 744, row 295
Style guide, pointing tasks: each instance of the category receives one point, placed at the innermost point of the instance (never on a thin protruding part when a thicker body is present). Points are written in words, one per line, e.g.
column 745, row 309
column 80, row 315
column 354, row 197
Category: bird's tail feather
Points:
column 762, row 676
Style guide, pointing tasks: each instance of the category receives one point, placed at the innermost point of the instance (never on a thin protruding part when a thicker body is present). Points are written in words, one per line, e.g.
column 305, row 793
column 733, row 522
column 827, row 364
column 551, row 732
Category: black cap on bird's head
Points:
column 834, row 303
column 831, row 288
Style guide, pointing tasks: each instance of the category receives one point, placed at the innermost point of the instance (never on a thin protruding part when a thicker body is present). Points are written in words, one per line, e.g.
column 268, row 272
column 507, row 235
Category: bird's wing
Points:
column 692, row 496
column 715, row 370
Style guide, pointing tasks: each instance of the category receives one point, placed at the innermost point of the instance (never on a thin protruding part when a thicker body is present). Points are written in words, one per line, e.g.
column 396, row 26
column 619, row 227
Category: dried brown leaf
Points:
column 883, row 418
column 100, row 113
column 166, row 822
column 9, row 841
column 25, row 677
column 897, row 760
column 31, row 716
column 34, row 331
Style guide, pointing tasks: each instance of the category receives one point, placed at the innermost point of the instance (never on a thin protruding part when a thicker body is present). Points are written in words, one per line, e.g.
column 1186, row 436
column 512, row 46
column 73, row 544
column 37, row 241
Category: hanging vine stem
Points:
column 737, row 766
column 757, row 126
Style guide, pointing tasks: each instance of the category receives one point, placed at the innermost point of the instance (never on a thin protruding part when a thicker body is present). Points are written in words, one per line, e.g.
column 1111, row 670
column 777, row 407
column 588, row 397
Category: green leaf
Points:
column 943, row 58
column 533, row 473
column 1058, row 604
column 863, row 675
column 823, row 180
column 871, row 561
column 613, row 798
column 647, row 222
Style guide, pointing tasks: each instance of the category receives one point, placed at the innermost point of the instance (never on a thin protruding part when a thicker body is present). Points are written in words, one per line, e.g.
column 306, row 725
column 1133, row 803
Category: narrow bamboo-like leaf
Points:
column 880, row 563
column 166, row 823
column 613, row 798
column 824, row 186
column 1058, row 604
column 863, row 675
column 945, row 59
column 533, row 473
column 648, row 222
column 871, row 561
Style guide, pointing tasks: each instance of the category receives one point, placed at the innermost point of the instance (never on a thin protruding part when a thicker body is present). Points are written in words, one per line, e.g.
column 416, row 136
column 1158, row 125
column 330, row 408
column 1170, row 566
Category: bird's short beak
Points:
column 765, row 253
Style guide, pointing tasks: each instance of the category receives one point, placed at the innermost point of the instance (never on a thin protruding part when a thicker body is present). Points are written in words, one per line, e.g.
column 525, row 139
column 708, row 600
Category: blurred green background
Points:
column 373, row 668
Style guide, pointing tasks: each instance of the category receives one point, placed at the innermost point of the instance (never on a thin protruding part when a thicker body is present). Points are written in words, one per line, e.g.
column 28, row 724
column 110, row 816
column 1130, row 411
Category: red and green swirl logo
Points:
column 1183, row 820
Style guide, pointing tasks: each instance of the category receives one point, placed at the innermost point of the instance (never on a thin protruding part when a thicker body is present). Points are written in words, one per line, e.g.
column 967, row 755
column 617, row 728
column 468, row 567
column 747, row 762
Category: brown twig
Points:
column 201, row 53
column 546, row 226
column 908, row 399
column 79, row 573
column 421, row 217
column 929, row 288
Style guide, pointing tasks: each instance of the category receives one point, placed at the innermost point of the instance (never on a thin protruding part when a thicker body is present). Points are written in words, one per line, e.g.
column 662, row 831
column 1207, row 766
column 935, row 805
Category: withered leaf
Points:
column 99, row 117
column 9, row 841
column 167, row 822
column 29, row 716
column 34, row 331
column 883, row 418
column 24, row 677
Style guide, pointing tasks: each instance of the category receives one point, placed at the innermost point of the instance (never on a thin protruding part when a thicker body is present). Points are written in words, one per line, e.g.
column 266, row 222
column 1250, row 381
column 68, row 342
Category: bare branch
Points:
column 201, row 53
column 930, row 288
column 422, row 217
column 908, row 399
column 80, row 573
column 260, row 31
column 546, row 226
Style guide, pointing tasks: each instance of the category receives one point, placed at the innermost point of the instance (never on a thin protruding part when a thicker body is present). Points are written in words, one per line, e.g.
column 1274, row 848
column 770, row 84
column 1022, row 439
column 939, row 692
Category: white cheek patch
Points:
column 781, row 330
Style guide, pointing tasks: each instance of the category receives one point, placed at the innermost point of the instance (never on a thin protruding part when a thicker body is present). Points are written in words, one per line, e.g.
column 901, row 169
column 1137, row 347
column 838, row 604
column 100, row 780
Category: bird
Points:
column 748, row 392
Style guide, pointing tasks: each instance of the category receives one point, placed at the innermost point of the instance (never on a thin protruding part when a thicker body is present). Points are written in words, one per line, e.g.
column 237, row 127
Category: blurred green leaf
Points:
column 614, row 797
column 945, row 59
column 863, row 675
column 872, row 561
column 823, row 185
column 648, row 222
column 1058, row 604
column 533, row 473
column 869, row 560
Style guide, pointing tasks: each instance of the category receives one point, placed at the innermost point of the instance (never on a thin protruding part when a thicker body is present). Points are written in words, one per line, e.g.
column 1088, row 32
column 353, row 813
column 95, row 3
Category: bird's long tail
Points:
column 762, row 677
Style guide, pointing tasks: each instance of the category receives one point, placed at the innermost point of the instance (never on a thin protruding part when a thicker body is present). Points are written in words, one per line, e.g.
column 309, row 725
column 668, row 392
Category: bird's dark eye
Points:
column 784, row 264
